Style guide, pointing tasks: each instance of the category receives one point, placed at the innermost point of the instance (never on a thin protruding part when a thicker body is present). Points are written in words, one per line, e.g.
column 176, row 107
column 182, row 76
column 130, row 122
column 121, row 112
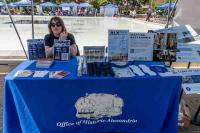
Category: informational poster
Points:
column 94, row 53
column 140, row 46
column 118, row 45
column 61, row 50
column 36, row 49
column 188, row 52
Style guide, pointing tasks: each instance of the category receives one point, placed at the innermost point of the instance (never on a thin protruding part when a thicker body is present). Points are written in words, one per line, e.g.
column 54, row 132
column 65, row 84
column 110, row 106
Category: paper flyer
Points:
column 140, row 46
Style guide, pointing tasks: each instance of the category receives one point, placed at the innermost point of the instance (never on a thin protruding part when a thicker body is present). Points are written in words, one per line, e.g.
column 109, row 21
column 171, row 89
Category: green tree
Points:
column 97, row 3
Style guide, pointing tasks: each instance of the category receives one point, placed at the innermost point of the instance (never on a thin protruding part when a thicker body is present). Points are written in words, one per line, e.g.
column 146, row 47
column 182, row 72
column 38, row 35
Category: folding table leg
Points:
column 195, row 119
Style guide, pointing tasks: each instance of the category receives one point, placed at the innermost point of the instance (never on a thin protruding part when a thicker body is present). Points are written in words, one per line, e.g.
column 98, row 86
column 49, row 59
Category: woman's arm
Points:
column 73, row 50
column 49, row 51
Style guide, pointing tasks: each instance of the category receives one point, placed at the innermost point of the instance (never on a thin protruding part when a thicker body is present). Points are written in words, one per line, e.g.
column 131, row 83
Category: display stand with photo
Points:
column 36, row 49
column 118, row 45
column 61, row 50
column 165, row 47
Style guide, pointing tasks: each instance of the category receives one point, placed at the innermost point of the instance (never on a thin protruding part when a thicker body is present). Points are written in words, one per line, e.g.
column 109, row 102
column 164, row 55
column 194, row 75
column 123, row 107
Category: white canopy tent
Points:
column 187, row 12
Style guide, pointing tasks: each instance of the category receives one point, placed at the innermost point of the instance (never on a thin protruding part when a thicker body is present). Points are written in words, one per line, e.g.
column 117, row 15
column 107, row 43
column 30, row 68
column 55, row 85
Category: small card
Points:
column 40, row 74
column 58, row 74
column 23, row 73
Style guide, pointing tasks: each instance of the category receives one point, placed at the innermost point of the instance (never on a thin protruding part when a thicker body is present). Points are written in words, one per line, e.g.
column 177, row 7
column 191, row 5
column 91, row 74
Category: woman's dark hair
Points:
column 57, row 20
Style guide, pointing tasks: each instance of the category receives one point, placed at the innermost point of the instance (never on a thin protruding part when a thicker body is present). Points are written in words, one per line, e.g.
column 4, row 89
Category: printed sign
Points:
column 140, row 46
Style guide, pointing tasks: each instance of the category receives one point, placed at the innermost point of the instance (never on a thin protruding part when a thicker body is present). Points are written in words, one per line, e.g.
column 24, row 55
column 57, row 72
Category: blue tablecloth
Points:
column 83, row 104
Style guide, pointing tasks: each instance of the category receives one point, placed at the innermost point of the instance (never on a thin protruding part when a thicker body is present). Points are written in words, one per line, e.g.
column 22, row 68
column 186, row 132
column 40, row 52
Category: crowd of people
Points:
column 51, row 12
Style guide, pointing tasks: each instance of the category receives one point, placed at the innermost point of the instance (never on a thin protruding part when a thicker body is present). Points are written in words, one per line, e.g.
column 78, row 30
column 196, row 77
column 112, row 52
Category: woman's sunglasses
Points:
column 55, row 24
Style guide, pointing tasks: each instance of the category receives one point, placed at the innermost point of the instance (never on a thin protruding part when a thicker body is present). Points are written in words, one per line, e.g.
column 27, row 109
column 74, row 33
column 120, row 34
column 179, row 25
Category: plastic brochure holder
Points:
column 82, row 66
column 99, row 69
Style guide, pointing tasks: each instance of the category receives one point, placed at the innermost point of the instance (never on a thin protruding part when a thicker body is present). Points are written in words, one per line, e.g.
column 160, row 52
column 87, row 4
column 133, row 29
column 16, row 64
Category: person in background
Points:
column 57, row 30
column 134, row 14
column 148, row 13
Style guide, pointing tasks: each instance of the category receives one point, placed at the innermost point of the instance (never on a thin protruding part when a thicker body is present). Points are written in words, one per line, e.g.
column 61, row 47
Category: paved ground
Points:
column 192, row 129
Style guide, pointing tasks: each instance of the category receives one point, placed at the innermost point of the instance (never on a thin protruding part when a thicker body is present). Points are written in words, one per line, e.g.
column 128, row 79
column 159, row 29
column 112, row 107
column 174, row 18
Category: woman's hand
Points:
column 63, row 35
column 49, row 51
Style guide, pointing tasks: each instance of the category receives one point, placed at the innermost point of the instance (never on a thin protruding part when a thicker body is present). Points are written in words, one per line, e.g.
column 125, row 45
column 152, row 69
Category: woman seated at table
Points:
column 57, row 30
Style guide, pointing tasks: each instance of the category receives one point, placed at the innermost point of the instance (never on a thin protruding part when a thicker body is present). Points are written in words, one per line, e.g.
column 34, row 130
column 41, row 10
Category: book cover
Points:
column 118, row 45
column 94, row 53
column 36, row 49
column 61, row 50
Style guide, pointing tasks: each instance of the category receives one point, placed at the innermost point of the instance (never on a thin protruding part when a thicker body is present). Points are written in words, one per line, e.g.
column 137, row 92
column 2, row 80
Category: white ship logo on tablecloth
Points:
column 94, row 106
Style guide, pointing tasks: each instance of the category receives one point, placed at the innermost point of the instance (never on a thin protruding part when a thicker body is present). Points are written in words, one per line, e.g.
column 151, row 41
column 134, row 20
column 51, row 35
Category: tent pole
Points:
column 168, row 13
column 171, row 13
column 16, row 29
column 32, row 19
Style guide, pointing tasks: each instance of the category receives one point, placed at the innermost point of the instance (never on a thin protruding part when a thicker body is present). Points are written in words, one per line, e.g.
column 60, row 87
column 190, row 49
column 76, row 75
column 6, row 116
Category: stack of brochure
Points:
column 44, row 63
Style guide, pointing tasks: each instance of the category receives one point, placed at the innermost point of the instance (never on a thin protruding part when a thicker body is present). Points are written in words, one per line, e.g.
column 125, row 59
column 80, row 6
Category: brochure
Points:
column 94, row 53
column 40, row 74
column 58, row 74
column 123, row 72
column 140, row 46
column 186, row 72
column 36, row 49
column 23, row 73
column 118, row 45
column 61, row 50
